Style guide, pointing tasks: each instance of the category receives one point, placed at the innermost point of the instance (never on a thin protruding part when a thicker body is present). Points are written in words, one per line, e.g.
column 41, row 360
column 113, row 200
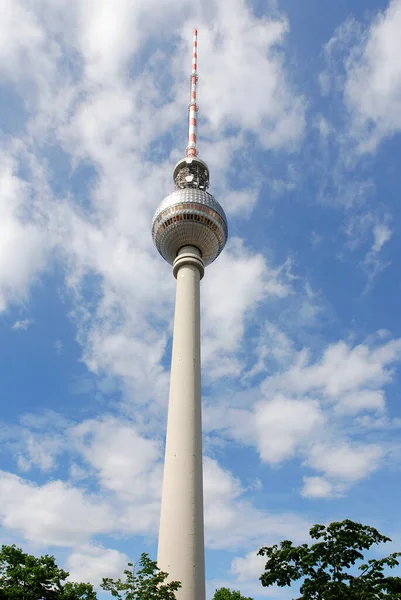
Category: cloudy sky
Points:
column 300, row 121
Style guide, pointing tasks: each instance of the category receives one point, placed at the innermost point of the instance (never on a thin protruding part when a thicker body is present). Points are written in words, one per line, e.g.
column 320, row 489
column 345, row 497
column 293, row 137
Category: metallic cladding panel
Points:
column 189, row 217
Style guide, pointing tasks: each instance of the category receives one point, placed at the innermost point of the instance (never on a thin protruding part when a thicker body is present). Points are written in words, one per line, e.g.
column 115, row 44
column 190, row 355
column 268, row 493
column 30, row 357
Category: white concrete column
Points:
column 181, row 533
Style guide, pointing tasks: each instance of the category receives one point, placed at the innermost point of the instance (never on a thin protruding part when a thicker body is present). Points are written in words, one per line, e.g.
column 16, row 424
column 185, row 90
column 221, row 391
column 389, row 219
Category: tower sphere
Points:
column 190, row 216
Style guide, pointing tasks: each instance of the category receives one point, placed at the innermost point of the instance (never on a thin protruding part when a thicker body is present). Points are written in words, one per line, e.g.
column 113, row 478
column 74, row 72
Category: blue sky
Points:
column 300, row 125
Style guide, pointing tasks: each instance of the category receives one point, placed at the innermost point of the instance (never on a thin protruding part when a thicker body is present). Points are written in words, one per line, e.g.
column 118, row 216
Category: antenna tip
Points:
column 195, row 32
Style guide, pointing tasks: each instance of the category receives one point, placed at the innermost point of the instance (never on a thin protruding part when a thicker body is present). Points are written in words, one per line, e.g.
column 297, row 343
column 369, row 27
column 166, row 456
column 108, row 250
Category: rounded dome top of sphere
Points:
column 190, row 160
column 189, row 217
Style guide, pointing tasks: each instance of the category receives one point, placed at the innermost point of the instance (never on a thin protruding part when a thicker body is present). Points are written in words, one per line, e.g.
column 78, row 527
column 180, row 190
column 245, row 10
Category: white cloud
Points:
column 283, row 424
column 358, row 401
column 372, row 86
column 55, row 513
column 360, row 367
column 22, row 37
column 317, row 487
column 250, row 566
column 231, row 521
column 231, row 291
column 373, row 263
column 221, row 491
column 117, row 474
column 47, row 419
column 39, row 452
column 128, row 465
column 347, row 381
column 91, row 563
column 240, row 202
column 345, row 461
column 324, row 126
column 360, row 229
column 23, row 246
column 126, row 462
column 310, row 410
column 382, row 234
column 272, row 348
column 229, row 420
column 22, row 325
column 246, row 571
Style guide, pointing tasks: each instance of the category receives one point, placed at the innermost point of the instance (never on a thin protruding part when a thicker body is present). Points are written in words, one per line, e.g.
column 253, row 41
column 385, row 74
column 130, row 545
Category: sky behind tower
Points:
column 299, row 123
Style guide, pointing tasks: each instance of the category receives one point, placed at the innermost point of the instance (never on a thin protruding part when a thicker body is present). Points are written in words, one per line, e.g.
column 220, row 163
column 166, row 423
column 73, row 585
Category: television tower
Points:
column 189, row 230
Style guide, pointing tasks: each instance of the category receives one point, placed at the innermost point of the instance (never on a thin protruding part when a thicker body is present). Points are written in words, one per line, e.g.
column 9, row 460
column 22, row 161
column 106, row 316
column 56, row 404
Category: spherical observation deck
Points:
column 190, row 216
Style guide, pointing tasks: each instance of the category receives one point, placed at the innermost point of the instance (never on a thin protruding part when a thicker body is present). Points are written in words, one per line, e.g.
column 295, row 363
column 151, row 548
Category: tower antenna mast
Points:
column 193, row 106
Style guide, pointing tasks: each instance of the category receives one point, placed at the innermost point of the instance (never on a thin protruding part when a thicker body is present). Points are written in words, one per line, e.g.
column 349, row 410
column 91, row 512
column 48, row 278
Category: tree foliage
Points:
column 227, row 594
column 25, row 577
column 148, row 583
column 329, row 568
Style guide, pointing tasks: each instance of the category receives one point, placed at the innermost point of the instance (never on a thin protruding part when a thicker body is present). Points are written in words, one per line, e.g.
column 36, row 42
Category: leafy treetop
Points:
column 148, row 583
column 324, row 566
column 227, row 594
column 25, row 577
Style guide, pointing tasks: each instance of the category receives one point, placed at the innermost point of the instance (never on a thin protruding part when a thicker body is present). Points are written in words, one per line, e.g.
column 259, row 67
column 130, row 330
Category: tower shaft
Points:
column 181, row 533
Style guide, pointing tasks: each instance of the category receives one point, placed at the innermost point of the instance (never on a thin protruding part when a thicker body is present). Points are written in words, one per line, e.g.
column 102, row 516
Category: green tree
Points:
column 227, row 594
column 145, row 584
column 25, row 577
column 330, row 569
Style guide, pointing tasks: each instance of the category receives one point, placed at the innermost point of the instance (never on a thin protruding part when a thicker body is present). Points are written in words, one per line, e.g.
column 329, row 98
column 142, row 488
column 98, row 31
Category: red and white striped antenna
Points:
column 193, row 106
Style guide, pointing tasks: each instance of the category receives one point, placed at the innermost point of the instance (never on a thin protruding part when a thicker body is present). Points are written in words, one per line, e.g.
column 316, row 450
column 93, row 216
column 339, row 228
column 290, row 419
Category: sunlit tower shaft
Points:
column 189, row 230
